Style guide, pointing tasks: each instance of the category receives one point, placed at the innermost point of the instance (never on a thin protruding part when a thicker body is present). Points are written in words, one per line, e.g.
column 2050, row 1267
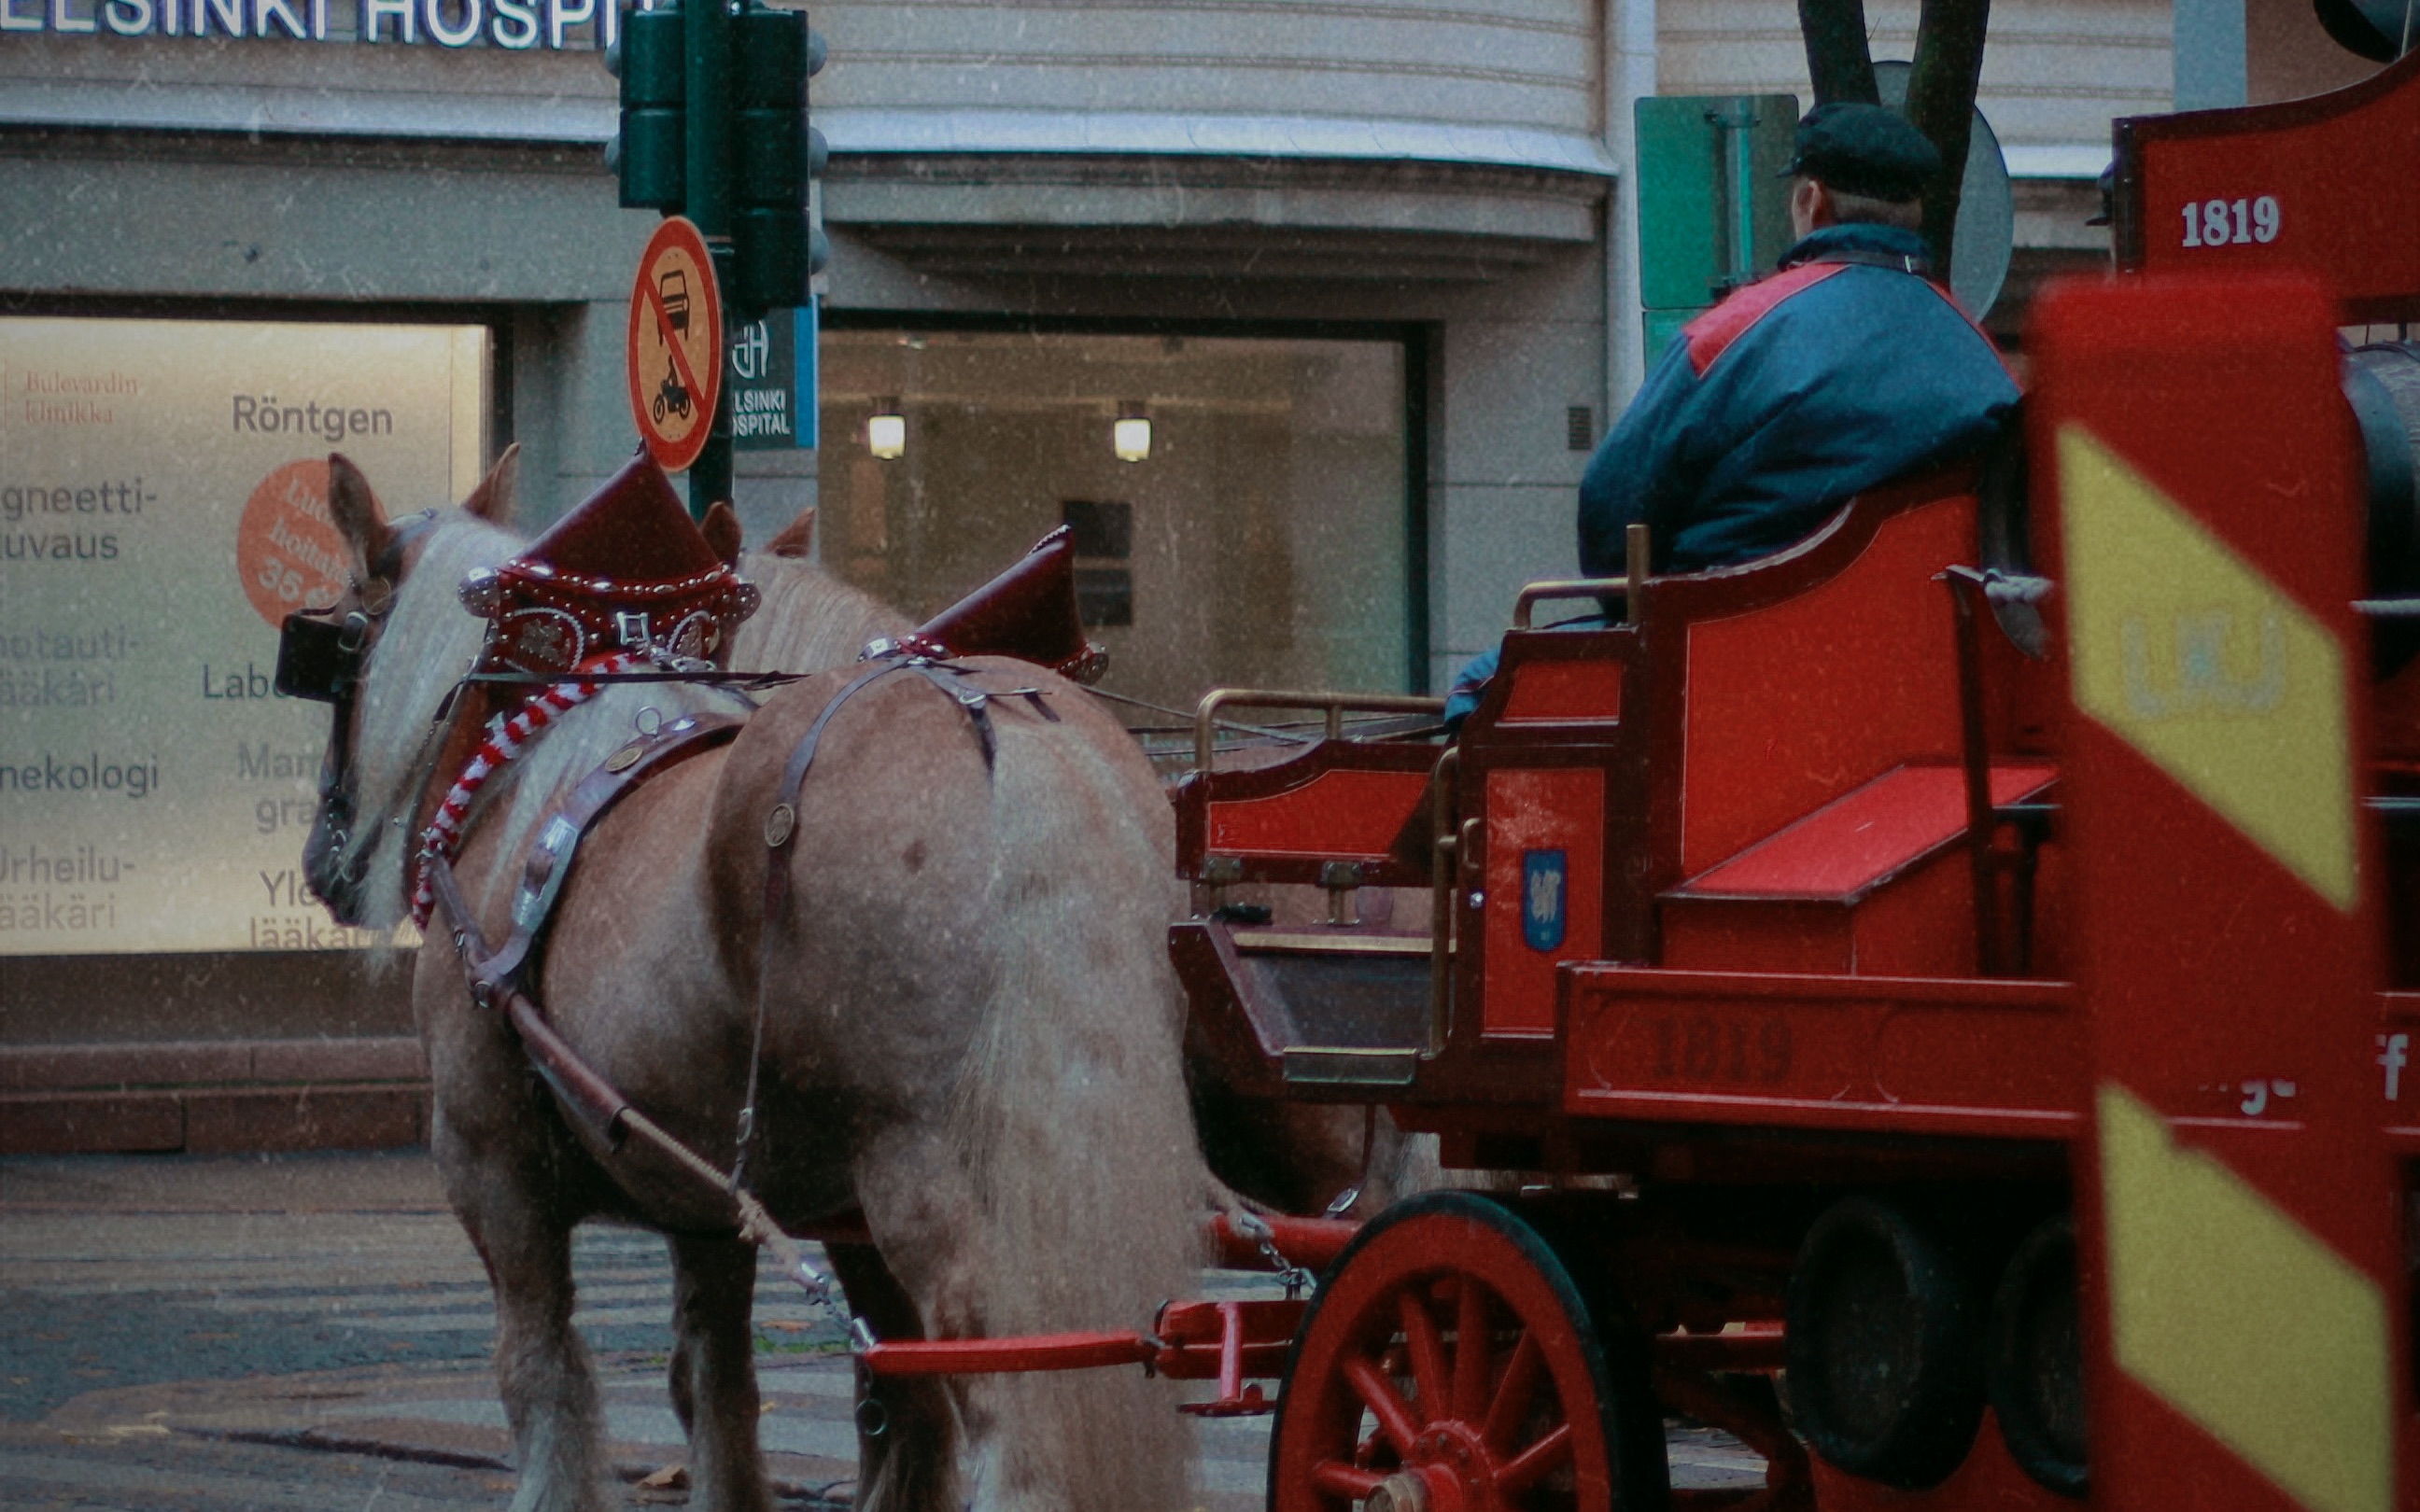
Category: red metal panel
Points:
column 1989, row 1481
column 2242, row 1277
column 1542, row 811
column 1564, row 692
column 1786, row 935
column 1342, row 814
column 1921, row 923
column 1790, row 706
column 2330, row 185
column 1864, row 836
column 2397, row 1069
column 1886, row 1054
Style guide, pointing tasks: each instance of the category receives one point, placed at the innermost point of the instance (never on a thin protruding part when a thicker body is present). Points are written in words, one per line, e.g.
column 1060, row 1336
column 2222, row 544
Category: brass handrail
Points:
column 1628, row 587
column 1336, row 704
column 1445, row 893
column 1540, row 593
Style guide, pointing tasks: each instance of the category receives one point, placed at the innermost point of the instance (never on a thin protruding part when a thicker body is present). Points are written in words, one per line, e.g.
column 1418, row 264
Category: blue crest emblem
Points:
column 1545, row 898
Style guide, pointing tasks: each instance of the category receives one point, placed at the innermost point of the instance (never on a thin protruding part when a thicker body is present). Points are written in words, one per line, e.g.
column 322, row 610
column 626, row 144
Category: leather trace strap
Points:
column 546, row 864
column 782, row 823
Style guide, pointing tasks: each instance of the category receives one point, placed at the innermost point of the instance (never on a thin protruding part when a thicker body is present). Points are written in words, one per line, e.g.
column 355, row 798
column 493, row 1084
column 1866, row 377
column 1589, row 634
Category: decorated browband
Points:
column 626, row 571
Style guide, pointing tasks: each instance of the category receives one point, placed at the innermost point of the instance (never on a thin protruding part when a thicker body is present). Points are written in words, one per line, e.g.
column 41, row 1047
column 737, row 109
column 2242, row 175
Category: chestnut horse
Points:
column 970, row 1027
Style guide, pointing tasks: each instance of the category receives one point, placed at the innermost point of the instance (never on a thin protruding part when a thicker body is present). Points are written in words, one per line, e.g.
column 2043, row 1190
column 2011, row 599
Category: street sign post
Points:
column 773, row 381
column 675, row 348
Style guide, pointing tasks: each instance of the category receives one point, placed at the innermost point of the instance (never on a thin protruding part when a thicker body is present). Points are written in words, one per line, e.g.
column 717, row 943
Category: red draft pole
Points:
column 2238, row 1210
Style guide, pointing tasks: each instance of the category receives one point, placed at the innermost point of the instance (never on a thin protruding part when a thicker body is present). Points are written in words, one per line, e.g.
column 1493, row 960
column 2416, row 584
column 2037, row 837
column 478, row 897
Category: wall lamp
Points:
column 1130, row 433
column 886, row 429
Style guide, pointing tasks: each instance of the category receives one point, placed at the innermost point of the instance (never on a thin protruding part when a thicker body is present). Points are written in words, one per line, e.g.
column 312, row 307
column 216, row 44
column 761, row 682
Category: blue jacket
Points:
column 1777, row 404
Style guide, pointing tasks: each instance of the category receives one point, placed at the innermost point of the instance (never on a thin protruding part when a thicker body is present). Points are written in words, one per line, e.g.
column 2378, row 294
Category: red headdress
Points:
column 627, row 570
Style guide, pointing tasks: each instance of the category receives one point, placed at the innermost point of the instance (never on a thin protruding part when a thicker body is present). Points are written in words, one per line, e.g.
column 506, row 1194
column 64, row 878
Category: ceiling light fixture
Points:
column 886, row 429
column 1130, row 434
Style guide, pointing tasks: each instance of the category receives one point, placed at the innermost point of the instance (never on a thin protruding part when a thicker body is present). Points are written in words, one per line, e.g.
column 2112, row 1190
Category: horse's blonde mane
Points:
column 423, row 649
column 809, row 620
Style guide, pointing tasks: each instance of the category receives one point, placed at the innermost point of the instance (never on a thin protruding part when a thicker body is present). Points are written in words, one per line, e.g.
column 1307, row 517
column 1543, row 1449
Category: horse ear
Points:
column 798, row 538
column 492, row 499
column 358, row 514
column 720, row 529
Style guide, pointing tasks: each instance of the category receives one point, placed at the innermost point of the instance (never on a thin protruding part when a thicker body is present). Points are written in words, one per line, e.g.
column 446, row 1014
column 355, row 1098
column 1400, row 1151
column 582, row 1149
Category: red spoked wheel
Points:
column 1450, row 1366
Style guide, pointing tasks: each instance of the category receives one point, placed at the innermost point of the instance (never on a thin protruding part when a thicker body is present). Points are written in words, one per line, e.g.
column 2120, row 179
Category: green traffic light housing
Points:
column 743, row 161
column 775, row 155
column 649, row 155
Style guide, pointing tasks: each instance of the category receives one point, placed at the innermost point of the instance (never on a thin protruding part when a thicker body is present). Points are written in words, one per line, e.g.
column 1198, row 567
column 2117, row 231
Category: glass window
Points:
column 164, row 505
column 1254, row 530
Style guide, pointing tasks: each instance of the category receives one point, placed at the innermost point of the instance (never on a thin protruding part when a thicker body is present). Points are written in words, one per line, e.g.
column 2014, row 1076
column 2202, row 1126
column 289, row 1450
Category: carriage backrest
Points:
column 1733, row 703
column 1806, row 675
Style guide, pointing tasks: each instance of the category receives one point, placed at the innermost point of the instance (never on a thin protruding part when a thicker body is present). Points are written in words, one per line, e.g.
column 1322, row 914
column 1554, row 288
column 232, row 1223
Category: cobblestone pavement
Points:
column 313, row 1331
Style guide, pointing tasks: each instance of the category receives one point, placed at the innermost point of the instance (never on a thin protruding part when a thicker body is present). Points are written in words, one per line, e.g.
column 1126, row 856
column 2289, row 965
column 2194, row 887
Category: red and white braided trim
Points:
column 507, row 737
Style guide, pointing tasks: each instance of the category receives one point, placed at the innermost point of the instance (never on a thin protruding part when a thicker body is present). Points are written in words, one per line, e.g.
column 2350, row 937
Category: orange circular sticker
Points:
column 288, row 547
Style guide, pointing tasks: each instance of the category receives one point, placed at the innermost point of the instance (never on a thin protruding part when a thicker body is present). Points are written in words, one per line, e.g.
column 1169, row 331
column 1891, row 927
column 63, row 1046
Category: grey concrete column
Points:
column 1630, row 64
column 2210, row 53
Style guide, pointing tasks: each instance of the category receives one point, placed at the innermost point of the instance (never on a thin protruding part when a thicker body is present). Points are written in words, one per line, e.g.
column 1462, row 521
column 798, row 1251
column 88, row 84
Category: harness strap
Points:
column 782, row 823
column 506, row 737
column 551, row 849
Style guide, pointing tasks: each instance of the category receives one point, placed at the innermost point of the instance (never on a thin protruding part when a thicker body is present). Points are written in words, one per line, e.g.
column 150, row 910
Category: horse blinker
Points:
column 319, row 656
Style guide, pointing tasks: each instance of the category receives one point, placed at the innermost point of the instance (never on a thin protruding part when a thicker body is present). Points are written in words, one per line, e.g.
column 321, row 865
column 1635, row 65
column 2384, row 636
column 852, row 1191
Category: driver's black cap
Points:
column 1863, row 149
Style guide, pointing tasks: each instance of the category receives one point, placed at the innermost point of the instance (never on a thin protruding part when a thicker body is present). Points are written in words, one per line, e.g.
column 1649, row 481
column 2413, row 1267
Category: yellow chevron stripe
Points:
column 2243, row 1320
column 2188, row 653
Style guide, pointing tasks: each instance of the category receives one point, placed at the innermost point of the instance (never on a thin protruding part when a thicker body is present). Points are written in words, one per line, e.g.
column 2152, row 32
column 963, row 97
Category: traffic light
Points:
column 649, row 155
column 741, row 163
column 775, row 154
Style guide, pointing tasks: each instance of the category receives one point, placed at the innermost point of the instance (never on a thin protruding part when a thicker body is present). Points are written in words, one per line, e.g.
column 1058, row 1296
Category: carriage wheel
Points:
column 1450, row 1366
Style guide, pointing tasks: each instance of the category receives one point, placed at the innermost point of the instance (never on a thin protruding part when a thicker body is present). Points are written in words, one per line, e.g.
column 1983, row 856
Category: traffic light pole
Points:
column 708, row 64
column 714, row 127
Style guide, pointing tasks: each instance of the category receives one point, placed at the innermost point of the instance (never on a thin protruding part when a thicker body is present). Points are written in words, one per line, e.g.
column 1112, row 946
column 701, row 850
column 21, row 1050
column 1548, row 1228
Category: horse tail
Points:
column 1073, row 1119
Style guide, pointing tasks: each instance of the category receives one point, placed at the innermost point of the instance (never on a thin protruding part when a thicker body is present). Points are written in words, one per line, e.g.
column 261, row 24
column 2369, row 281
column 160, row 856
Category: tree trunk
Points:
column 1941, row 102
column 1838, row 58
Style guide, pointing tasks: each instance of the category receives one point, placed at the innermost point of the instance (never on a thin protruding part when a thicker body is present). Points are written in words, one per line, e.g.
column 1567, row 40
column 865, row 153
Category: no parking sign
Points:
column 673, row 353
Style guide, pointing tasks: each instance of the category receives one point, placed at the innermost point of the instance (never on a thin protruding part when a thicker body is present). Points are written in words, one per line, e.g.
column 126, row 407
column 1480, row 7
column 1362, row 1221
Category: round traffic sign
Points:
column 1980, row 247
column 675, row 351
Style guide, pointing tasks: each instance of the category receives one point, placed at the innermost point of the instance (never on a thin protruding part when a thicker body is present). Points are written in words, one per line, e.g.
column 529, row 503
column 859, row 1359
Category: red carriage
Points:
column 1966, row 964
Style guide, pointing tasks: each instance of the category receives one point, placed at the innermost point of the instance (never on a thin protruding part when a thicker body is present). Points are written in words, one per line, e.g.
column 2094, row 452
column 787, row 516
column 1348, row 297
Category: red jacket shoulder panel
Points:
column 1712, row 333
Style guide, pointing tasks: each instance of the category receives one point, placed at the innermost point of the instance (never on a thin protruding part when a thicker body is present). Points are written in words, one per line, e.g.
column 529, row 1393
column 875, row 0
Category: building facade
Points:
column 1362, row 267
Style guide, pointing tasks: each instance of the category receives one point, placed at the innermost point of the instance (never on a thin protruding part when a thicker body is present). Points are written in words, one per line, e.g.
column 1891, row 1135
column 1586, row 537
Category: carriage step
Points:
column 1350, row 1065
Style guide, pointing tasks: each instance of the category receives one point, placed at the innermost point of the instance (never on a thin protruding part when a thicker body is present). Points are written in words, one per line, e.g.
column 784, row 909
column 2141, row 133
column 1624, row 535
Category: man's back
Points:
column 1795, row 394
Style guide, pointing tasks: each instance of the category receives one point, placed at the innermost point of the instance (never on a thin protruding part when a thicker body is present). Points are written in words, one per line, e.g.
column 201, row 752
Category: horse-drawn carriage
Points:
column 1949, row 967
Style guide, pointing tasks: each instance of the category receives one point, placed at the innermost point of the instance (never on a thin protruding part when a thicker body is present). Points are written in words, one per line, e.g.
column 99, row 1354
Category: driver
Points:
column 1846, row 368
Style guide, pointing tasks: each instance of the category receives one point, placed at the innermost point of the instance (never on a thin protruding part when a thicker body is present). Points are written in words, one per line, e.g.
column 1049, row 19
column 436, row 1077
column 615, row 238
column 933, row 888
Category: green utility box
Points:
column 1714, row 211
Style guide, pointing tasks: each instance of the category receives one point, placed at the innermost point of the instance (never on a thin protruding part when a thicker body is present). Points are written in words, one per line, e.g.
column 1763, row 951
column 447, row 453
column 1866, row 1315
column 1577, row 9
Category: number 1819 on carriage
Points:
column 2218, row 223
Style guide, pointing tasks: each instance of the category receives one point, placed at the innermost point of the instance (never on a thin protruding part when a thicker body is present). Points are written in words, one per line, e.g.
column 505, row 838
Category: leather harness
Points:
column 504, row 978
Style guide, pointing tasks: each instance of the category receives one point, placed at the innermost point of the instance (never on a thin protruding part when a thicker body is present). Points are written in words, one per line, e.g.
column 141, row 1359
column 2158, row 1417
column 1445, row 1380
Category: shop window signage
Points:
column 163, row 505
column 515, row 25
